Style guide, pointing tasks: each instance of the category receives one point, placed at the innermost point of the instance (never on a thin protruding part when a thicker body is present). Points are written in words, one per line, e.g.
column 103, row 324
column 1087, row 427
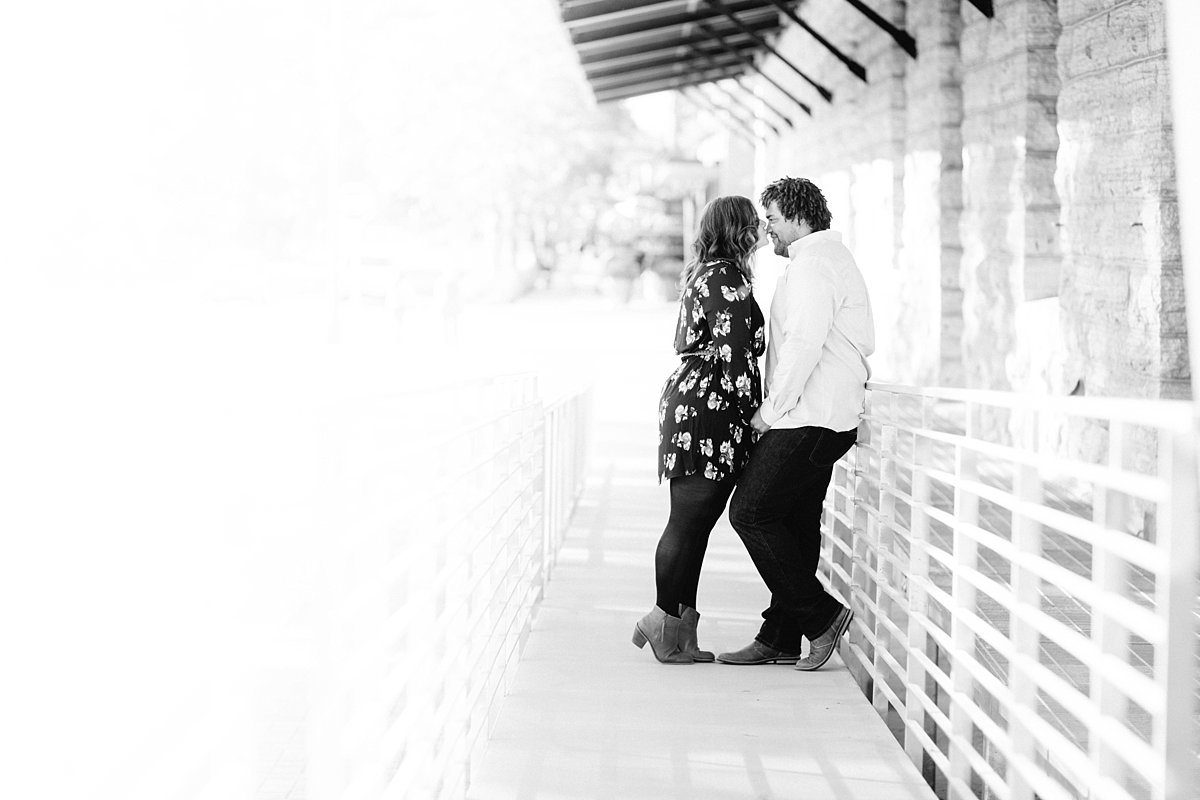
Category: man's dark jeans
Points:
column 776, row 509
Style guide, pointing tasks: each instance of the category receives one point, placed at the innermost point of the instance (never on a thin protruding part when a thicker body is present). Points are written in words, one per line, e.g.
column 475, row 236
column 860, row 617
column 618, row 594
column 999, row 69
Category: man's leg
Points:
column 815, row 607
column 776, row 510
column 761, row 512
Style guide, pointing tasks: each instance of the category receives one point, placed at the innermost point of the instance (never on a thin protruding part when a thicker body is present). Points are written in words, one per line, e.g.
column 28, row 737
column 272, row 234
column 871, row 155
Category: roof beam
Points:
column 592, row 9
column 858, row 69
column 746, row 89
column 678, row 68
column 661, row 83
column 636, row 44
column 985, row 6
column 750, row 63
column 825, row 93
column 705, row 105
column 664, row 22
column 664, row 55
column 742, row 105
column 626, row 92
column 906, row 42
column 733, row 112
column 786, row 119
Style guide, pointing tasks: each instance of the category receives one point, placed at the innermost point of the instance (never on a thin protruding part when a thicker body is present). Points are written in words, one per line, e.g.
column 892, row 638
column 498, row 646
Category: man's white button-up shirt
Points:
column 821, row 333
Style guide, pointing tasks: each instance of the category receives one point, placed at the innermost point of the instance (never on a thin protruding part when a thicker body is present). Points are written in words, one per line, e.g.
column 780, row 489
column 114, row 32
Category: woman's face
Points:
column 762, row 233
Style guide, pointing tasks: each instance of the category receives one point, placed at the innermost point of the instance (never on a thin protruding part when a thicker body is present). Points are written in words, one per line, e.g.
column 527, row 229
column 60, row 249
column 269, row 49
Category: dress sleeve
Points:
column 728, row 312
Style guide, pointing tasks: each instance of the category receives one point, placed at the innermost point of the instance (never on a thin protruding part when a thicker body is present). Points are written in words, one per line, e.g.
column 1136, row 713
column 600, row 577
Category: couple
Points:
column 714, row 434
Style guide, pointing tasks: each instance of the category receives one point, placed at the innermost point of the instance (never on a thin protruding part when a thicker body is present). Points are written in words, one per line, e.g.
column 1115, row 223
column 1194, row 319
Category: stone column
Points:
column 930, row 248
column 1010, row 207
column 1183, row 16
column 1123, row 299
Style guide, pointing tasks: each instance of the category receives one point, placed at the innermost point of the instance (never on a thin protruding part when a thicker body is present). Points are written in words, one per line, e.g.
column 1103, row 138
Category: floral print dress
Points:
column 707, row 403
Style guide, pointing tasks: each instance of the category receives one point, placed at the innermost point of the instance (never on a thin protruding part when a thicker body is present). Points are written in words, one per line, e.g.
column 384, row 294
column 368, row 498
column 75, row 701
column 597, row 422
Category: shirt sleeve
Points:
column 810, row 305
column 728, row 312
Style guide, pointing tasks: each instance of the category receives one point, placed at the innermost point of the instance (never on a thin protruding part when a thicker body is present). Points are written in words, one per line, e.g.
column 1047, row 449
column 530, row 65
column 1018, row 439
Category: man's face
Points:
column 781, row 231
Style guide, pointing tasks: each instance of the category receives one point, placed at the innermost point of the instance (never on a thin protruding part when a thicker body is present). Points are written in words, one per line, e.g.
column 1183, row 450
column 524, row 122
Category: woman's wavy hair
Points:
column 728, row 229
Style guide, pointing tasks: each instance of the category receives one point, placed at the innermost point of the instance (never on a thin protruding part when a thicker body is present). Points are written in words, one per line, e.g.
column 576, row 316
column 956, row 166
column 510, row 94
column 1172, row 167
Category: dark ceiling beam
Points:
column 666, row 55
column 750, row 63
column 590, row 9
column 737, row 101
column 747, row 90
column 726, row 10
column 708, row 109
column 786, row 119
column 754, row 8
column 750, row 135
column 908, row 43
column 985, row 6
column 668, row 70
column 663, row 82
column 638, row 89
column 858, row 69
column 635, row 45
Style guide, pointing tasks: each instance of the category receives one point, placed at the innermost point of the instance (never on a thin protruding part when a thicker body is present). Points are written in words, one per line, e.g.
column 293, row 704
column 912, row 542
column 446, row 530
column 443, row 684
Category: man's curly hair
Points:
column 799, row 199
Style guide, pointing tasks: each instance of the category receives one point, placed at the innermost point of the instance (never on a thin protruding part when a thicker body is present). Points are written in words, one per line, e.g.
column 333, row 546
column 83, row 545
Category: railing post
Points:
column 1026, row 589
column 1109, row 573
column 1176, row 595
column 550, row 445
column 966, row 559
column 918, row 570
column 880, row 536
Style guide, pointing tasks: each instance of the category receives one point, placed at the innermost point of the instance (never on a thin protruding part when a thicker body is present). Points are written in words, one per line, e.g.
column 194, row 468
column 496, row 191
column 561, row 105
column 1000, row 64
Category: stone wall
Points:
column 1009, row 193
column 1122, row 294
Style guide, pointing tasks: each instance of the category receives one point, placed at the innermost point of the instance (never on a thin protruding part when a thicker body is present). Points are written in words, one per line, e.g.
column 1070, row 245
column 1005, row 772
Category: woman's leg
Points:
column 696, row 505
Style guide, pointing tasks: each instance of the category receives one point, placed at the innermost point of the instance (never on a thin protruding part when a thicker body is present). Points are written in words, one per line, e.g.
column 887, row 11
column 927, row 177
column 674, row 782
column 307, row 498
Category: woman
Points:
column 704, row 416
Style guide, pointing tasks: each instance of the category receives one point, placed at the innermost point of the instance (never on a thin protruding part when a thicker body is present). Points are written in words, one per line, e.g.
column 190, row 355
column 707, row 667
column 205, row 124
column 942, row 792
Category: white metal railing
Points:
column 1024, row 575
column 566, row 426
column 441, row 588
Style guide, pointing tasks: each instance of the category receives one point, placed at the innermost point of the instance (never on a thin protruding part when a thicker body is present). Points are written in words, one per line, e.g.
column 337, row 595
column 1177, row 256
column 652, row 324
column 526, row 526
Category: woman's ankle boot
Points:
column 662, row 631
column 689, row 619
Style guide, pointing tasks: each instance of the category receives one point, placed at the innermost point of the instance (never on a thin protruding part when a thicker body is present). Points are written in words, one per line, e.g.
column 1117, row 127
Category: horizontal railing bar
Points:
column 1133, row 617
column 929, row 746
column 1136, row 484
column 983, row 536
column 939, row 636
column 1175, row 415
column 932, row 670
column 1138, row 552
column 893, row 699
column 995, row 784
column 1052, row 742
column 892, row 664
column 897, row 634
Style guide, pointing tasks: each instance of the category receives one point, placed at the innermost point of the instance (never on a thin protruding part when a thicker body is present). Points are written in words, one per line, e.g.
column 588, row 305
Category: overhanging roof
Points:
column 635, row 47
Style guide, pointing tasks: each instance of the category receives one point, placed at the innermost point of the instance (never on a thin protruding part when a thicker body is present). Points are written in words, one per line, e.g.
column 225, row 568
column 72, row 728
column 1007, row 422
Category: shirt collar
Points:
column 815, row 237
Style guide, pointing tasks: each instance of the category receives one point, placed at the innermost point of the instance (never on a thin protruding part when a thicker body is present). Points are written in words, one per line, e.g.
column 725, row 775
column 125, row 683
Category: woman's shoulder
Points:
column 717, row 268
column 723, row 272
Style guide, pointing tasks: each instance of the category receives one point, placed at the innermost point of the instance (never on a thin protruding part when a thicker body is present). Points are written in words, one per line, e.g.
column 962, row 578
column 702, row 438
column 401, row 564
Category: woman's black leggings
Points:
column 696, row 505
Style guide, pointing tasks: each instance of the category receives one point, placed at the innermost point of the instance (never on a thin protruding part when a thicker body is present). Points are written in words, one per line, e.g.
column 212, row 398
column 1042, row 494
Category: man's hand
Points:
column 757, row 422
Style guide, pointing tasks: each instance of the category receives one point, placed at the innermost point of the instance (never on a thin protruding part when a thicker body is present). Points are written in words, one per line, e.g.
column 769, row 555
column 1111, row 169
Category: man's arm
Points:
column 811, row 303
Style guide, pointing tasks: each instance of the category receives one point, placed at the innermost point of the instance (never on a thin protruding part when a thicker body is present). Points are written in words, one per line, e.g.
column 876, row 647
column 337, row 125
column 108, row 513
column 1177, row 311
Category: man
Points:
column 821, row 332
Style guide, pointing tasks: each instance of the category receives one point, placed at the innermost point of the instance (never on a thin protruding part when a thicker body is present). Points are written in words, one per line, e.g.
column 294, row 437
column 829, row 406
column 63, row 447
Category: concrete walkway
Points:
column 591, row 716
